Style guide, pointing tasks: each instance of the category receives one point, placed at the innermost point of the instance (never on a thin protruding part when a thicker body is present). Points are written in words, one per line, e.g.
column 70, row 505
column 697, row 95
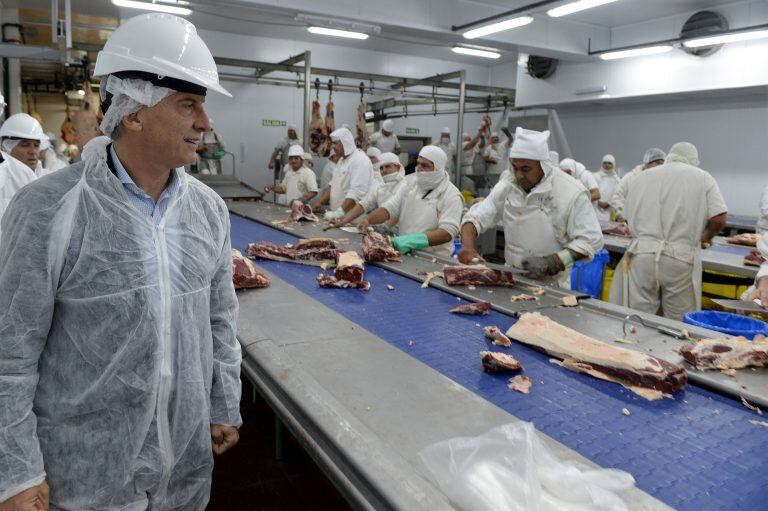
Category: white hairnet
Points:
column 434, row 154
column 373, row 151
column 388, row 125
column 568, row 164
column 530, row 145
column 45, row 143
column 386, row 158
column 554, row 158
column 9, row 144
column 495, row 134
column 654, row 154
column 580, row 169
column 684, row 152
column 128, row 96
column 610, row 159
column 296, row 150
column 346, row 138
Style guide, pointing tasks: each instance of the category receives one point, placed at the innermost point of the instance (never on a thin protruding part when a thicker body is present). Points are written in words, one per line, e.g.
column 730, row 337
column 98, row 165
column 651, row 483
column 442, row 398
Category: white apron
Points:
column 292, row 191
column 421, row 215
column 337, row 192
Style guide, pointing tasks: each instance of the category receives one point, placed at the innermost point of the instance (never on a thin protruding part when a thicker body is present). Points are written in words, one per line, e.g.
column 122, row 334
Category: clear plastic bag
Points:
column 511, row 468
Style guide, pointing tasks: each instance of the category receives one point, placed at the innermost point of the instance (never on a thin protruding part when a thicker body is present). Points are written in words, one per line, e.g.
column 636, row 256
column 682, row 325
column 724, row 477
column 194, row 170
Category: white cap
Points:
column 495, row 134
column 568, row 164
column 435, row 155
column 683, row 152
column 530, row 145
column 446, row 131
column 654, row 154
column 373, row 152
column 22, row 126
column 386, row 158
column 295, row 150
column 610, row 159
column 388, row 125
column 307, row 157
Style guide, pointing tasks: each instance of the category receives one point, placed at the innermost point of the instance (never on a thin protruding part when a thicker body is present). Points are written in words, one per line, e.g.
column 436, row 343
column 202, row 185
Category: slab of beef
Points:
column 493, row 333
column 361, row 136
column 647, row 376
column 475, row 309
column 301, row 211
column 317, row 134
column 749, row 239
column 726, row 353
column 349, row 273
column 244, row 273
column 377, row 247
column 312, row 251
column 754, row 258
column 330, row 127
column 477, row 275
column 618, row 229
column 499, row 362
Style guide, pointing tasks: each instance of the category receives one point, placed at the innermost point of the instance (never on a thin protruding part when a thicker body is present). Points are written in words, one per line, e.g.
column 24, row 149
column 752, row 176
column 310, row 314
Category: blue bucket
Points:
column 587, row 277
column 727, row 323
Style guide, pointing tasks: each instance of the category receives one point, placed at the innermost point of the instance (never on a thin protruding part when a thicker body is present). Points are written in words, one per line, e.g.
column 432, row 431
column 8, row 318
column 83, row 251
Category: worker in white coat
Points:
column 351, row 179
column 495, row 154
column 762, row 219
column 428, row 207
column 674, row 210
column 212, row 149
column 652, row 158
column 449, row 148
column 581, row 174
column 22, row 136
column 548, row 220
column 607, row 182
column 119, row 365
column 759, row 291
column 373, row 154
column 299, row 182
column 13, row 176
column 308, row 162
column 327, row 174
column 385, row 139
column 281, row 149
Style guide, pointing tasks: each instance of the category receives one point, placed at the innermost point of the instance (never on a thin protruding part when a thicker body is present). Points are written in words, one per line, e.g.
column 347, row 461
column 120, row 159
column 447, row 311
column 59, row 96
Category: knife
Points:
column 741, row 305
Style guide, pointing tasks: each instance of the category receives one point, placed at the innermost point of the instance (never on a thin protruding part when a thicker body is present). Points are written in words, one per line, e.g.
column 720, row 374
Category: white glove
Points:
column 333, row 215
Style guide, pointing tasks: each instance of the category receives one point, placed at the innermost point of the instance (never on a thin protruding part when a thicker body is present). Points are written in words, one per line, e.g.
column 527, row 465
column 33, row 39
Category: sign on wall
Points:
column 412, row 131
column 274, row 123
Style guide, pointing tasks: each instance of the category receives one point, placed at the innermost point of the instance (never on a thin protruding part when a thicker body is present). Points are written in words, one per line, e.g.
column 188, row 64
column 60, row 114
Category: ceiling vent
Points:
column 541, row 67
column 703, row 23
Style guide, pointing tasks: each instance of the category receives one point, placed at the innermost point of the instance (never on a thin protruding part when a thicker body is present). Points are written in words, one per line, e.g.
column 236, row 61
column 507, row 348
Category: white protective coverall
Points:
column 762, row 247
column 497, row 153
column 117, row 341
column 556, row 214
column 297, row 184
column 353, row 175
column 13, row 175
column 327, row 174
column 384, row 188
column 385, row 143
column 667, row 208
column 762, row 219
column 607, row 181
column 449, row 148
column 622, row 189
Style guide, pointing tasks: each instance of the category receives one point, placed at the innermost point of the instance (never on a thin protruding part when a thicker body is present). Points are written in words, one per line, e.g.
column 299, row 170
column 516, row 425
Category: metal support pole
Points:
column 460, row 131
column 307, row 97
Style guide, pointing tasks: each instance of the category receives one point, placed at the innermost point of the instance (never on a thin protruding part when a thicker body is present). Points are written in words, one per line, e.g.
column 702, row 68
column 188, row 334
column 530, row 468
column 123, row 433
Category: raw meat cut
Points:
column 726, row 353
column 301, row 211
column 497, row 336
column 520, row 383
column 749, row 239
column 361, row 138
column 377, row 247
column 617, row 229
column 647, row 376
column 754, row 258
column 524, row 298
column 475, row 309
column 330, row 127
column 317, row 134
column 314, row 251
column 499, row 362
column 349, row 273
column 477, row 275
column 244, row 273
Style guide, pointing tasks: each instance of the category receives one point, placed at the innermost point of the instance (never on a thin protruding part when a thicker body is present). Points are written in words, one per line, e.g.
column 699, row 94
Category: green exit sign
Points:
column 274, row 123
column 412, row 131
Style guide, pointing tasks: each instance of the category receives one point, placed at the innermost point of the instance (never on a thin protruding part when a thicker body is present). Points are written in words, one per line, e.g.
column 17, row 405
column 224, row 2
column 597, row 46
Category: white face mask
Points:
column 445, row 140
column 429, row 180
column 390, row 178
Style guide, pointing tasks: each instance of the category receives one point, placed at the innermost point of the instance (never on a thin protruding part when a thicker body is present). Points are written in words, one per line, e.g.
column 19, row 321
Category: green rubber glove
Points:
column 219, row 155
column 408, row 242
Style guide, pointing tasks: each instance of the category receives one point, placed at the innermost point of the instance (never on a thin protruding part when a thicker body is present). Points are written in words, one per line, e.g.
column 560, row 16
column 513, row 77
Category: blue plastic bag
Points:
column 587, row 277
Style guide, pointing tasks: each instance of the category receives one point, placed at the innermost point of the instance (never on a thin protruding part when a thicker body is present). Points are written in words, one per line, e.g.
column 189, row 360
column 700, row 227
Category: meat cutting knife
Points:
column 741, row 305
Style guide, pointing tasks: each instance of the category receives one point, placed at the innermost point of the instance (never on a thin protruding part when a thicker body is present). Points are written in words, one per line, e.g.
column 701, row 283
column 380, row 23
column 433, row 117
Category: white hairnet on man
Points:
column 547, row 217
column 653, row 157
column 385, row 139
column 119, row 366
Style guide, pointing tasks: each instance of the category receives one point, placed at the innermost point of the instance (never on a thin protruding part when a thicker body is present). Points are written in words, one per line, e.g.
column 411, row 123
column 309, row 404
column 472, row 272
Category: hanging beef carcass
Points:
column 361, row 137
column 330, row 127
column 317, row 134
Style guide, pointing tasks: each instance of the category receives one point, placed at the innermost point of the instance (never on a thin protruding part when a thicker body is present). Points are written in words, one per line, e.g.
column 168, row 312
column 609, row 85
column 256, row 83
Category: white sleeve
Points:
column 309, row 179
column 326, row 176
column 360, row 178
column 375, row 137
column 589, row 181
column 487, row 214
column 370, row 201
column 449, row 214
column 583, row 228
column 762, row 247
column 620, row 195
column 397, row 142
column 715, row 201
column 394, row 203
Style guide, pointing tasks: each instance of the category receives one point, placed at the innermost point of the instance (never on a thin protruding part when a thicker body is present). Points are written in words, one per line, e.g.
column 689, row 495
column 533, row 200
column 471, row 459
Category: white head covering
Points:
column 292, row 127
column 580, row 169
column 296, row 150
column 374, row 152
column 434, row 154
column 610, row 159
column 530, row 145
column 307, row 157
column 129, row 95
column 347, row 140
column 554, row 158
column 446, row 131
column 568, row 164
column 654, row 154
column 684, row 152
column 388, row 125
column 386, row 158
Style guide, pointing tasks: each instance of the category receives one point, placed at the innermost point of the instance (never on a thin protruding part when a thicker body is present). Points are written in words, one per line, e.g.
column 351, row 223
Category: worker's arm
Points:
column 272, row 158
column 713, row 227
column 594, row 194
column 620, row 197
column 275, row 189
column 353, row 213
column 761, row 280
column 360, row 178
column 482, row 216
column 375, row 217
column 308, row 197
column 717, row 211
column 583, row 230
column 309, row 180
column 348, row 204
column 324, row 199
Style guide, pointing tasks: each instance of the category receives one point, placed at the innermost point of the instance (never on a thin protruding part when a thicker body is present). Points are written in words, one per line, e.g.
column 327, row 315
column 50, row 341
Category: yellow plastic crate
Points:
column 605, row 292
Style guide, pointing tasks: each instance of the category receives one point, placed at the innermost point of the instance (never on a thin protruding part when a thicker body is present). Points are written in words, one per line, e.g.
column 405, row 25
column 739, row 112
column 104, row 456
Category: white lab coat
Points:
column 421, row 211
column 327, row 174
column 667, row 208
column 498, row 153
column 586, row 177
column 620, row 194
column 386, row 144
column 762, row 220
column 381, row 191
column 53, row 162
column 297, row 184
column 13, row 175
column 556, row 214
column 351, row 179
column 762, row 247
column 607, row 182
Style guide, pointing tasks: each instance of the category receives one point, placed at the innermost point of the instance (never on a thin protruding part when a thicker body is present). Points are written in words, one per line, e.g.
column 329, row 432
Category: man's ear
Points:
column 132, row 122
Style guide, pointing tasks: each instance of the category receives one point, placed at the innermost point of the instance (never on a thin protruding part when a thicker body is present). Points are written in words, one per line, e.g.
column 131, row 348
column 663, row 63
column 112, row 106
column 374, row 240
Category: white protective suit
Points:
column 667, row 208
column 13, row 175
column 498, row 153
column 622, row 189
column 607, row 182
column 385, row 143
column 327, row 174
column 353, row 175
column 384, row 188
column 297, row 184
column 450, row 151
column 762, row 220
column 117, row 342
column 556, row 214
column 586, row 177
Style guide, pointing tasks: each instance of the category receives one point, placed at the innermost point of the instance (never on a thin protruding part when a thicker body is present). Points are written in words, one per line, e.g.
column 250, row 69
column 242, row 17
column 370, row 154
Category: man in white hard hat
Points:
column 548, row 220
column 119, row 366
column 385, row 139
column 281, row 149
column 674, row 210
column 299, row 182
column 427, row 207
column 22, row 137
column 449, row 148
column 607, row 182
column 653, row 157
column 352, row 177
column 13, row 176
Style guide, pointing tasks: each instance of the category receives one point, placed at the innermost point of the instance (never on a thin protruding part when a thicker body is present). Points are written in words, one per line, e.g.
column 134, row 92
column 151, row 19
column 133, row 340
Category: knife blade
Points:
column 741, row 305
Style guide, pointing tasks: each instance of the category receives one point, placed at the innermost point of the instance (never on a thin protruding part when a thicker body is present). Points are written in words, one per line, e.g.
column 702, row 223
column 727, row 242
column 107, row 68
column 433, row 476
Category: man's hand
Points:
column 468, row 255
column 36, row 498
column 363, row 225
column 223, row 437
column 705, row 243
column 760, row 292
column 540, row 267
column 337, row 222
column 602, row 205
column 271, row 165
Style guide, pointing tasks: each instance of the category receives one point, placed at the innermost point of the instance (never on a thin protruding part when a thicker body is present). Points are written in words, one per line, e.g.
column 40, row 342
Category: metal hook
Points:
column 627, row 320
column 330, row 89
column 317, row 89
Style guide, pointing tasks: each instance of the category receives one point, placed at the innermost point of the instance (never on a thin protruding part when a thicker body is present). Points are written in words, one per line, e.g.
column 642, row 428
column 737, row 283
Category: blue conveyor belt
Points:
column 731, row 249
column 696, row 452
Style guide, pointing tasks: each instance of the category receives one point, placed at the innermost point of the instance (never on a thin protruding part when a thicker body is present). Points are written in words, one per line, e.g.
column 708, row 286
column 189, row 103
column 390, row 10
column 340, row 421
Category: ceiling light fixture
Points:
column 498, row 27
column 636, row 52
column 581, row 5
column 712, row 40
column 148, row 6
column 477, row 51
column 337, row 33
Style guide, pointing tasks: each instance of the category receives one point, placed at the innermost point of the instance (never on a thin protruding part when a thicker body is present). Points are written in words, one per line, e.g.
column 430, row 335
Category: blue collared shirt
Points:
column 139, row 198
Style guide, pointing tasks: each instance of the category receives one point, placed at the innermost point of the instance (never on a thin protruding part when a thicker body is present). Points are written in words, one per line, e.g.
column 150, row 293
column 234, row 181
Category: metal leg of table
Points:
column 279, row 437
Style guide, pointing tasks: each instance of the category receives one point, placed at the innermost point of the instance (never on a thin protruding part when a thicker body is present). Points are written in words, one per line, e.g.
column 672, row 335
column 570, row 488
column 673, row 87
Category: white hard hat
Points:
column 22, row 126
column 163, row 45
column 388, row 125
column 446, row 131
column 296, row 150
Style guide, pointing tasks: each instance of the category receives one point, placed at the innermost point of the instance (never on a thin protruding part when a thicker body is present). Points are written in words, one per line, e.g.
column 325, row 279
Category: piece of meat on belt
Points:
column 494, row 334
column 477, row 275
column 748, row 239
column 726, row 353
column 244, row 273
column 754, row 258
column 349, row 273
column 499, row 362
column 474, row 309
column 645, row 375
column 377, row 247
column 315, row 251
column 301, row 211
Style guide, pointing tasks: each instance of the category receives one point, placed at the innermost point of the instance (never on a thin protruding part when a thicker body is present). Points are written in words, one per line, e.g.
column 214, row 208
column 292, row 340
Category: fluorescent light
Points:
column 498, row 27
column 476, row 52
column 81, row 92
column 635, row 52
column 581, row 5
column 725, row 38
column 152, row 7
column 337, row 33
